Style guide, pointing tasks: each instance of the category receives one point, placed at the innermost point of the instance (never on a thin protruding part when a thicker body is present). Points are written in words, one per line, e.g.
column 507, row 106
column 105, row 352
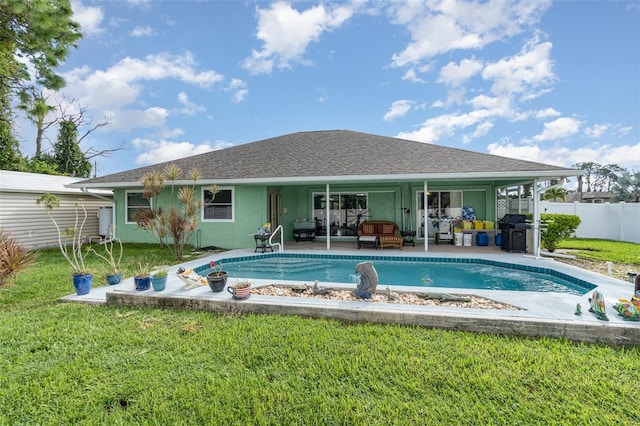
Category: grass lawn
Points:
column 66, row 363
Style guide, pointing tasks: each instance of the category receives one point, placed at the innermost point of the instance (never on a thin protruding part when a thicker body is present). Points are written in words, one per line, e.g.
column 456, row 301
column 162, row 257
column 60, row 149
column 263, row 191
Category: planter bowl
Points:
column 142, row 283
column 217, row 281
column 82, row 283
column 113, row 279
column 240, row 293
column 159, row 283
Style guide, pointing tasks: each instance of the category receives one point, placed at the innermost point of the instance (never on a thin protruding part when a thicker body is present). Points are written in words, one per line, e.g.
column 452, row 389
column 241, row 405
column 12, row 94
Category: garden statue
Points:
column 368, row 280
column 596, row 301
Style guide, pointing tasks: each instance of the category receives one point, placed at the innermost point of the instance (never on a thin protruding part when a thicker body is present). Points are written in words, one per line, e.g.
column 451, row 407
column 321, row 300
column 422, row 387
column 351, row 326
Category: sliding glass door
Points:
column 440, row 204
column 346, row 212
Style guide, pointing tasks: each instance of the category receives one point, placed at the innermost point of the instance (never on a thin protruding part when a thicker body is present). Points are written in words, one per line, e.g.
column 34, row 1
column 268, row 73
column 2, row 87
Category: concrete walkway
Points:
column 541, row 314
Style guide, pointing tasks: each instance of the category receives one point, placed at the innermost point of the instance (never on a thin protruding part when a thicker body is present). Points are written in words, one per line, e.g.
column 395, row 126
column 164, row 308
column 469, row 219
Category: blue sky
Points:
column 555, row 82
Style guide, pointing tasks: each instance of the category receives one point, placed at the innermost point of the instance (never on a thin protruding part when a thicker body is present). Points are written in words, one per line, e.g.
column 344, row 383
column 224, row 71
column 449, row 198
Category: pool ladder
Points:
column 281, row 237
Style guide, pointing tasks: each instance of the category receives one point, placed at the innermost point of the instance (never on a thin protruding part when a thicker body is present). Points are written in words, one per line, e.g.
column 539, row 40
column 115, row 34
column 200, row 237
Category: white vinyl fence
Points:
column 618, row 221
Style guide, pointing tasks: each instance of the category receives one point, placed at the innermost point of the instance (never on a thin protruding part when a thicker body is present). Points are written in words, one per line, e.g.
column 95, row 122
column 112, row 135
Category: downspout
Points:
column 326, row 215
column 424, row 218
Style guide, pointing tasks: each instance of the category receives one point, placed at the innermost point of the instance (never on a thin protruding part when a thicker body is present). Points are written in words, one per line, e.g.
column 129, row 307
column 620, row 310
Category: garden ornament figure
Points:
column 368, row 280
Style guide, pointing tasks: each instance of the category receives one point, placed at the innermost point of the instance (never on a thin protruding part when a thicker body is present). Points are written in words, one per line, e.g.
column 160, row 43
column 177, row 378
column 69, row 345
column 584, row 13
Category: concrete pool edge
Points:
column 544, row 314
column 492, row 323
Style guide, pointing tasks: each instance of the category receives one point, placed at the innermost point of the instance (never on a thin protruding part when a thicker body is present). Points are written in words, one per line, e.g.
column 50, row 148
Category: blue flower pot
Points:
column 142, row 283
column 159, row 283
column 113, row 279
column 82, row 283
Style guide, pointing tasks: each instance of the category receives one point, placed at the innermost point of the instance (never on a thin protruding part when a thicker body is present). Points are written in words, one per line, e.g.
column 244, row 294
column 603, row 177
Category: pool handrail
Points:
column 281, row 243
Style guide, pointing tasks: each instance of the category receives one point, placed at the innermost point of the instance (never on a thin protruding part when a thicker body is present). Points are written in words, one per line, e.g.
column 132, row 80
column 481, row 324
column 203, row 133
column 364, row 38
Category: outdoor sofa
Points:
column 379, row 234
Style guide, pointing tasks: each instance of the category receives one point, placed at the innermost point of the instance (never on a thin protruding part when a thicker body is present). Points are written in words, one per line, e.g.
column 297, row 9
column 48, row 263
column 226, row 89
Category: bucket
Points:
column 467, row 240
column 457, row 238
column 482, row 239
column 499, row 240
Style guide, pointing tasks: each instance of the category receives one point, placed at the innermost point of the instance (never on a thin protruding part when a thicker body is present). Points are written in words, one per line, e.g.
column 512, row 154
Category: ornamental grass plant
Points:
column 70, row 363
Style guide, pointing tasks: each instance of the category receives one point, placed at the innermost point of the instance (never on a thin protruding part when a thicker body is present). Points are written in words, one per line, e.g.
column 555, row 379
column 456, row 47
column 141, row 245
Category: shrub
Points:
column 14, row 257
column 557, row 227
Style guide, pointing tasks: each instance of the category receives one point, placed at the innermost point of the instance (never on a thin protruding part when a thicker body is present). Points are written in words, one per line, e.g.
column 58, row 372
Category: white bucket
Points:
column 457, row 238
column 467, row 240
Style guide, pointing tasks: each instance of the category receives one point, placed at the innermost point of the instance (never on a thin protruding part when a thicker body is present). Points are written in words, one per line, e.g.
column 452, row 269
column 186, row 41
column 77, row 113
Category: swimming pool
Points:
column 407, row 271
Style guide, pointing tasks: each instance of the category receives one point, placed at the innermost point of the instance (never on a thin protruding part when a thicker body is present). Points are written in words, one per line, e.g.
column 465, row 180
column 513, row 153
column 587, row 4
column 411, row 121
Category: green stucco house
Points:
column 334, row 179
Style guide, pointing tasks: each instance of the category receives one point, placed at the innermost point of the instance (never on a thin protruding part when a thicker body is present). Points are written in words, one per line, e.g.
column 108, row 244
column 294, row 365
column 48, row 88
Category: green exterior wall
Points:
column 386, row 202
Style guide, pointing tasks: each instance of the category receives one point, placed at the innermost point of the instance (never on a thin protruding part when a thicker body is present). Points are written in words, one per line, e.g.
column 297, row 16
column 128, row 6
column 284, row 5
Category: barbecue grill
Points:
column 514, row 232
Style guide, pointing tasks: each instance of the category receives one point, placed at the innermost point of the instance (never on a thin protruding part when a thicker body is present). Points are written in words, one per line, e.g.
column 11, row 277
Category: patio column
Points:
column 326, row 214
column 424, row 218
column 536, row 219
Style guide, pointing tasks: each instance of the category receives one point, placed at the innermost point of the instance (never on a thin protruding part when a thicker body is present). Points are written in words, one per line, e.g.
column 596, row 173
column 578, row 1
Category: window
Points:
column 346, row 212
column 218, row 207
column 136, row 202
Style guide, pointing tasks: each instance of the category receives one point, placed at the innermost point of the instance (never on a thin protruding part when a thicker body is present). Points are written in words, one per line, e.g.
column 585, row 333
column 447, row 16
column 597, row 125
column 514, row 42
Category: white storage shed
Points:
column 28, row 222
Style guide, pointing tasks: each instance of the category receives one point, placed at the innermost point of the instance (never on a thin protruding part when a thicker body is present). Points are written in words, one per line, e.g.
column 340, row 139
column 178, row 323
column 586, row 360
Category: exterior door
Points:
column 275, row 200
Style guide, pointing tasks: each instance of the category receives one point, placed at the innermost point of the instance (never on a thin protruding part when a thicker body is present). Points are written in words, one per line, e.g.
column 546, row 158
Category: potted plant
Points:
column 141, row 277
column 217, row 278
column 159, row 279
column 240, row 290
column 114, row 276
column 82, row 279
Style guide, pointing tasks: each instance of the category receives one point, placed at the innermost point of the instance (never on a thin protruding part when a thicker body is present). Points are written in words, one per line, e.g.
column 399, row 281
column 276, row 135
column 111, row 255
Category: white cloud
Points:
column 561, row 128
column 239, row 90
column 158, row 151
column 530, row 69
column 481, row 130
column 109, row 92
column 455, row 75
column 189, row 108
column 410, row 75
column 286, row 33
column 625, row 156
column 440, row 27
column 444, row 125
column 127, row 120
column 596, row 131
column 89, row 18
column 547, row 113
column 398, row 109
column 142, row 31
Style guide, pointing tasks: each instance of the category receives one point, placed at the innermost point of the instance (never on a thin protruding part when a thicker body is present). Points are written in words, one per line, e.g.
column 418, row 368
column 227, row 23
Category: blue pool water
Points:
column 418, row 272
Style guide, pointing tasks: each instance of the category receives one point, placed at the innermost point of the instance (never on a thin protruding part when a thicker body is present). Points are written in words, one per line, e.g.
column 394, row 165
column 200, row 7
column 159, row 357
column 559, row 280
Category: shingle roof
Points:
column 334, row 154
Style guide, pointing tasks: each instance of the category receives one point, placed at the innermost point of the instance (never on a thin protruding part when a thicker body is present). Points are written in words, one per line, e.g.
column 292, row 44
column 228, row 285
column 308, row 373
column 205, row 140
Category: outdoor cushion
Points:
column 368, row 229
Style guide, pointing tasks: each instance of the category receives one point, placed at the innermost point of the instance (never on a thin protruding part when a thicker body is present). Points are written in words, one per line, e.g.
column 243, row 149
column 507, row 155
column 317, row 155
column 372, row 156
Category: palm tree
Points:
column 553, row 194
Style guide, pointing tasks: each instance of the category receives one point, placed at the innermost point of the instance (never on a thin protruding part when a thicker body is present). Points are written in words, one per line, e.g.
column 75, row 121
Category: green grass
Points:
column 605, row 250
column 67, row 363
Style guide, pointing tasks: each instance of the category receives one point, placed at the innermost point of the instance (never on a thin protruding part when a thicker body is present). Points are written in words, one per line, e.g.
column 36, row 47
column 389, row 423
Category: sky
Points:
column 556, row 82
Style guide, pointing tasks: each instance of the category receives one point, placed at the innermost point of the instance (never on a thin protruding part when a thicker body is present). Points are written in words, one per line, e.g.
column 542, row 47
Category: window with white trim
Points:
column 218, row 207
column 135, row 202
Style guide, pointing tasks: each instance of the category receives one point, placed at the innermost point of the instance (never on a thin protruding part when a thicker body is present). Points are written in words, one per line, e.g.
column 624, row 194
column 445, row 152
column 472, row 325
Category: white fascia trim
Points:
column 551, row 174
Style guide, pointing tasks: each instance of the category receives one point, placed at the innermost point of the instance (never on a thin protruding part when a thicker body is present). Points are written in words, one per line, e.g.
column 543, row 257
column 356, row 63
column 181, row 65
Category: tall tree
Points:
column 70, row 160
column 597, row 177
column 10, row 156
column 39, row 34
column 627, row 188
column 35, row 35
column 34, row 104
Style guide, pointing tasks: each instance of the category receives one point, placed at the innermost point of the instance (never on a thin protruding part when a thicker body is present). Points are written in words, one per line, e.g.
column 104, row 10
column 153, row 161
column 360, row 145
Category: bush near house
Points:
column 14, row 257
column 557, row 227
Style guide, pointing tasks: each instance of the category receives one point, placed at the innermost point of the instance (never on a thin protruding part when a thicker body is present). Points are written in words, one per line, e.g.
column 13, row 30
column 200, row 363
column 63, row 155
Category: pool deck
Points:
column 540, row 314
